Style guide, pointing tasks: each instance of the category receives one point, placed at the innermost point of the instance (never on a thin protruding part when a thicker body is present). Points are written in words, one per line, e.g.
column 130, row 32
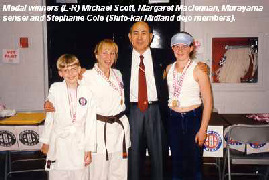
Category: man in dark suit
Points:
column 142, row 77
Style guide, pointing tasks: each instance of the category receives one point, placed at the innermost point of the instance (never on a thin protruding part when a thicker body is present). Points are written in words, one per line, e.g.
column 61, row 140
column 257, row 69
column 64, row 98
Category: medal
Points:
column 177, row 84
column 175, row 103
column 119, row 82
column 72, row 99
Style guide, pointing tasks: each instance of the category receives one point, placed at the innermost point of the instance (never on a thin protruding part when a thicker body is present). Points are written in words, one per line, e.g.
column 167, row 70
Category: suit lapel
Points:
column 156, row 71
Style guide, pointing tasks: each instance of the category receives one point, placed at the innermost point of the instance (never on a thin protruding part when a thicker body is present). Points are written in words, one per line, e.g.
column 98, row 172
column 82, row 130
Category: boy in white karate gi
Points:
column 69, row 135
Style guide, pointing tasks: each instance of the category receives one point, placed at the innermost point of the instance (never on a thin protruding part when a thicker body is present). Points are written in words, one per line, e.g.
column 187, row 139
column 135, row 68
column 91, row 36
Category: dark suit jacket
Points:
column 124, row 64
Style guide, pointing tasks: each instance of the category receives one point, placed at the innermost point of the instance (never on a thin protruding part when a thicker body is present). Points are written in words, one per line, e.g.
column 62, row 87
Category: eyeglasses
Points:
column 181, row 47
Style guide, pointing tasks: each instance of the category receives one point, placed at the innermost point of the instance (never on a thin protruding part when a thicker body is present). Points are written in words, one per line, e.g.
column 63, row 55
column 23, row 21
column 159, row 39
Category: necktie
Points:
column 142, row 87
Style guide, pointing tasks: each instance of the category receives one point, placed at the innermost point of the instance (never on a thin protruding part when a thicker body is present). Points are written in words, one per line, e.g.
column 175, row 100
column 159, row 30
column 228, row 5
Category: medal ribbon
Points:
column 177, row 85
column 120, row 89
column 72, row 99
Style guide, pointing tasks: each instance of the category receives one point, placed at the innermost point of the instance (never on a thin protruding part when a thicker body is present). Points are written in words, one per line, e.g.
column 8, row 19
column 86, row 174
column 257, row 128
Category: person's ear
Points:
column 130, row 37
column 60, row 73
column 79, row 69
column 96, row 57
column 191, row 48
column 151, row 36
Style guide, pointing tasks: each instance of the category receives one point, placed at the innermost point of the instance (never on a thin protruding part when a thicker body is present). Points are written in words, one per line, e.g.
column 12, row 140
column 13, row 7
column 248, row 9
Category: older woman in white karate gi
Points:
column 113, row 134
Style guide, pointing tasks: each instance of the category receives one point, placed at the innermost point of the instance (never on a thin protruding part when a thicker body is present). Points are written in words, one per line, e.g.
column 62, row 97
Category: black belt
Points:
column 111, row 120
column 149, row 103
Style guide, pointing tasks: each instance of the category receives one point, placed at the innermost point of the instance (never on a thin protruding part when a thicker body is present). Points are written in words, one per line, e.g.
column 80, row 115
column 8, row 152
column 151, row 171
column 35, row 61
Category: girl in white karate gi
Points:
column 113, row 132
column 69, row 135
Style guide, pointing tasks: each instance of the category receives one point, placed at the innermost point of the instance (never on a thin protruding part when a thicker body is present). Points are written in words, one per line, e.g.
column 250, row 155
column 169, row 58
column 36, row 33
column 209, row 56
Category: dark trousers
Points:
column 146, row 132
column 186, row 154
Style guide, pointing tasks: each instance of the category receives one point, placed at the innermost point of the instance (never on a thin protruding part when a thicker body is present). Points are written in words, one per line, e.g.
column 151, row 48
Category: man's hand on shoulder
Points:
column 166, row 71
column 48, row 107
column 203, row 67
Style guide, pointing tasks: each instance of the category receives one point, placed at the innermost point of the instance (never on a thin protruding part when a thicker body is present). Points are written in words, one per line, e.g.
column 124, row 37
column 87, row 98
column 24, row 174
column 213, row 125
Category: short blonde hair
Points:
column 67, row 60
column 108, row 42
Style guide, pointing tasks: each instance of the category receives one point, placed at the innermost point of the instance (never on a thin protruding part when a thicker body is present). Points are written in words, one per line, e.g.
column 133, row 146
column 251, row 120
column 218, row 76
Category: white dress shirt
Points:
column 151, row 86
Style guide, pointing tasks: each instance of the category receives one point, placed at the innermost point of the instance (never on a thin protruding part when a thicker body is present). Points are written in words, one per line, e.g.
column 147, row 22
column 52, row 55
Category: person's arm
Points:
column 90, row 127
column 203, row 67
column 206, row 93
column 87, row 158
column 45, row 137
column 166, row 71
column 48, row 107
column 44, row 148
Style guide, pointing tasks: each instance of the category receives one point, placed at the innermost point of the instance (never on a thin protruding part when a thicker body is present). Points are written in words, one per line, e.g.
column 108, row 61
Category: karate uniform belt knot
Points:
column 111, row 120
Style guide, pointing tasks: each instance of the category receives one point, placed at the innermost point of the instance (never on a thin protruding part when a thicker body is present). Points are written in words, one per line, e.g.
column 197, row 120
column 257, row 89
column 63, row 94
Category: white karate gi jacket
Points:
column 67, row 140
column 108, row 103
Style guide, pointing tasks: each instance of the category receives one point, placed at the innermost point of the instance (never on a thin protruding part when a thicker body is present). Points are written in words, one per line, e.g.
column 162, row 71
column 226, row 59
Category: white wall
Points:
column 23, row 85
column 236, row 98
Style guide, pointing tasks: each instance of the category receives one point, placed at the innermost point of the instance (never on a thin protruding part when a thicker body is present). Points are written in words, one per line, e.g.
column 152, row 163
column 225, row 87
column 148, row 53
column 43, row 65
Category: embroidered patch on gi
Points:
column 213, row 141
column 82, row 101
column 7, row 138
column 29, row 137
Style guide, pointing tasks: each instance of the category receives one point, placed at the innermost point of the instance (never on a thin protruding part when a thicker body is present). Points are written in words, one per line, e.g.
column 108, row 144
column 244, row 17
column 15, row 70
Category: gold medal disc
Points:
column 174, row 103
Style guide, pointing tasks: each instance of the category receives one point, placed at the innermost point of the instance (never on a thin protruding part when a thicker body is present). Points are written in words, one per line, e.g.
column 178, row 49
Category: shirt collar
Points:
column 79, row 82
column 146, row 54
column 136, row 53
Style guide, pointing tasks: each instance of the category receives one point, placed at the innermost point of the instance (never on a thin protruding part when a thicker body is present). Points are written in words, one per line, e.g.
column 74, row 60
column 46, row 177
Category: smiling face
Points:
column 106, row 56
column 140, row 36
column 70, row 74
column 182, row 51
column 69, row 68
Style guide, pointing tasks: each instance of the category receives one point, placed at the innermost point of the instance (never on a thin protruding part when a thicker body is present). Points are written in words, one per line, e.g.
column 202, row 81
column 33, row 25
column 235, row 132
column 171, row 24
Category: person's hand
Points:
column 82, row 71
column 48, row 107
column 203, row 67
column 200, row 137
column 87, row 158
column 44, row 148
